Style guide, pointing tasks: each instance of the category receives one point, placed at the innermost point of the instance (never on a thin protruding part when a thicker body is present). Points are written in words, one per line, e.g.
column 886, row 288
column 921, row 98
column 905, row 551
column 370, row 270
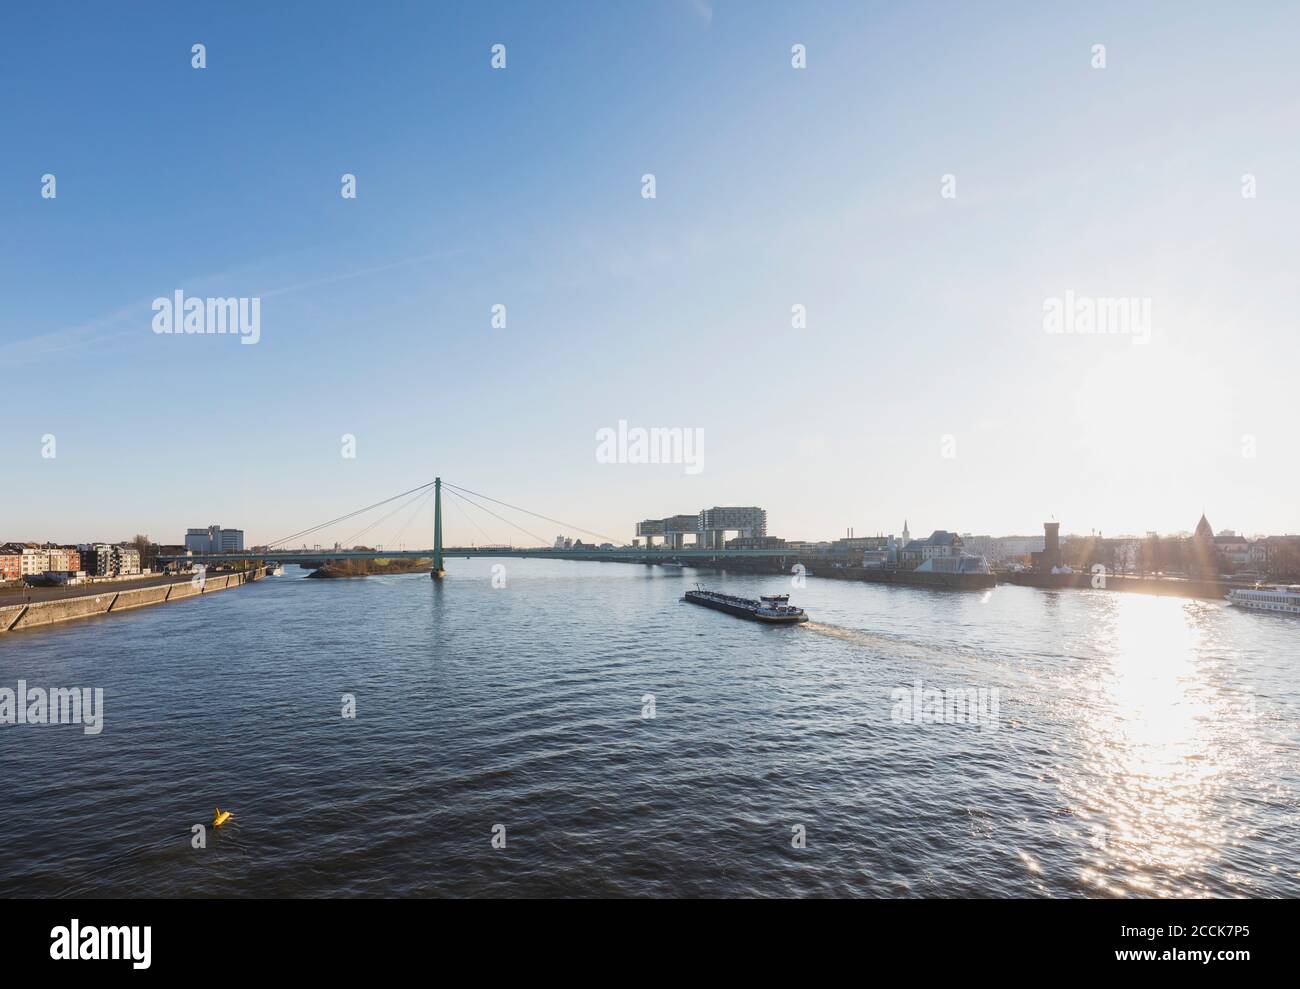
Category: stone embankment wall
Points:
column 16, row 617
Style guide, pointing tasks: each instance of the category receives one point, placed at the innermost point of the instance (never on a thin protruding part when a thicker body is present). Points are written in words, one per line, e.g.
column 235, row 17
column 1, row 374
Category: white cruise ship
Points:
column 1268, row 598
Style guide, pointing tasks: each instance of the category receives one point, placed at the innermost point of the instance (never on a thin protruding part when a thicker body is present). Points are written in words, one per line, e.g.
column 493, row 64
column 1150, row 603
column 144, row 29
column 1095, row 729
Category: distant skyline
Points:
column 922, row 381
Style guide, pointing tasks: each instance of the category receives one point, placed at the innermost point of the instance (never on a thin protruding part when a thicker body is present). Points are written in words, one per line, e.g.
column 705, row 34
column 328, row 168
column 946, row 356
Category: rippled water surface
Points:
column 1140, row 746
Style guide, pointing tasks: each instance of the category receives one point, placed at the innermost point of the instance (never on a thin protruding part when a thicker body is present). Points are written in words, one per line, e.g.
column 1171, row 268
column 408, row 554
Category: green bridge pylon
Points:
column 437, row 573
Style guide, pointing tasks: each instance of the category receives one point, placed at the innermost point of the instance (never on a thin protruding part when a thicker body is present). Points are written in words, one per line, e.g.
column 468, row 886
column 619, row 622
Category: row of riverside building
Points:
column 1203, row 553
column 20, row 560
column 48, row 563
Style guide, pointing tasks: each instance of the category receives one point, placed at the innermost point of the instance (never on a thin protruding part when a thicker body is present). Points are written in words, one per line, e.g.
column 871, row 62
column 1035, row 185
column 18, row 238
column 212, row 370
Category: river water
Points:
column 1115, row 745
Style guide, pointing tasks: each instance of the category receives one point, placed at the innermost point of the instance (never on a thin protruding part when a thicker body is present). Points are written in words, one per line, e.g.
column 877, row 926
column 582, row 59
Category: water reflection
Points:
column 1160, row 739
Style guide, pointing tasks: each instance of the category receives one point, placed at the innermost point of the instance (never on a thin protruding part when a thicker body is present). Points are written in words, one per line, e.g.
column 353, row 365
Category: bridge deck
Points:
column 290, row 556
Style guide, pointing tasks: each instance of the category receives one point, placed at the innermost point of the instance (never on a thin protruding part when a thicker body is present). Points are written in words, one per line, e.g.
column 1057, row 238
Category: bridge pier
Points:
column 437, row 573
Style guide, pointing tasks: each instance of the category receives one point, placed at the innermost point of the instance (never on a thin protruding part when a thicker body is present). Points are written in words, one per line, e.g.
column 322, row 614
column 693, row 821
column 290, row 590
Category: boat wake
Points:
column 894, row 645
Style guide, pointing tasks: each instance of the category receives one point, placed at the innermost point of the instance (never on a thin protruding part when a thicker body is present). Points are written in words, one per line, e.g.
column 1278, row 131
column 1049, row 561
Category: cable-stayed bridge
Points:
column 410, row 501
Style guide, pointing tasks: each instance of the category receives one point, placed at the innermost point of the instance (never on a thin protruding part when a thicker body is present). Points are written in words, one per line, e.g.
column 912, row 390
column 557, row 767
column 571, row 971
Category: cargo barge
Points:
column 771, row 609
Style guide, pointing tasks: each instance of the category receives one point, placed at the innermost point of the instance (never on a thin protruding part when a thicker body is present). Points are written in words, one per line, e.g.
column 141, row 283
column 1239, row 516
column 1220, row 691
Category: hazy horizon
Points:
column 925, row 384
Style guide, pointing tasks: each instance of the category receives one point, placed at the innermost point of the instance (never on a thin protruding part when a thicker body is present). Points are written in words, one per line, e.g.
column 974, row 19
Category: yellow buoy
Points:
column 221, row 817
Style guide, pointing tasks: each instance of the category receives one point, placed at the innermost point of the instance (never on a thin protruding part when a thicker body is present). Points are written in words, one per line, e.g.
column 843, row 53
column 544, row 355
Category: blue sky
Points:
column 775, row 186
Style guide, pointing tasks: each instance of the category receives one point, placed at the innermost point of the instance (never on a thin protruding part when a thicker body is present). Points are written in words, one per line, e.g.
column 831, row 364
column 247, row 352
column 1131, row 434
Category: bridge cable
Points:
column 351, row 540
column 531, row 535
column 567, row 525
column 415, row 499
column 469, row 518
column 342, row 518
column 482, row 508
column 428, row 495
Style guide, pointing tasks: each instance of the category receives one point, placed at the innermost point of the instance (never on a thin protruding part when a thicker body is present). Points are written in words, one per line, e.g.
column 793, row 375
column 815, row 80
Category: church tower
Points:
column 907, row 536
column 1203, row 530
column 1203, row 558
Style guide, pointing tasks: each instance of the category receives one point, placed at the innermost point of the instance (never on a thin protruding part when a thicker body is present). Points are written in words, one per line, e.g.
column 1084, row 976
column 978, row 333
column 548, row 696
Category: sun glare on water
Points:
column 1160, row 739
